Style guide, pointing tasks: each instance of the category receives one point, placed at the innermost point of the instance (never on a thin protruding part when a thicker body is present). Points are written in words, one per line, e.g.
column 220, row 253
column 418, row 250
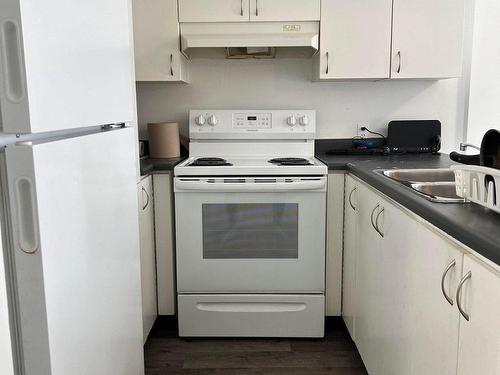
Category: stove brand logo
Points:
column 291, row 28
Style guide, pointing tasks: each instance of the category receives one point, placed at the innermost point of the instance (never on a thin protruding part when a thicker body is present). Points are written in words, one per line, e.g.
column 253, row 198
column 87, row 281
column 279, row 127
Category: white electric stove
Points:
column 250, row 225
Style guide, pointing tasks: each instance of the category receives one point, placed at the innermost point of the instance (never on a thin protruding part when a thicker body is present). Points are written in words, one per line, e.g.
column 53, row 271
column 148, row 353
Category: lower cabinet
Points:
column 479, row 340
column 334, row 243
column 436, row 269
column 404, row 284
column 382, row 282
column 148, row 257
column 350, row 254
column 164, row 223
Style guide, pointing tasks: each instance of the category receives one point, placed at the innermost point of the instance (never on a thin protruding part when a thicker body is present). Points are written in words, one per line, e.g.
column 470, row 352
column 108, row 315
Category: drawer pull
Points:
column 250, row 307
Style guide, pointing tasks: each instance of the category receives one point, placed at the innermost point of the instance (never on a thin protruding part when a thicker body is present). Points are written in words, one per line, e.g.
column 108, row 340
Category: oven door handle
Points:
column 258, row 187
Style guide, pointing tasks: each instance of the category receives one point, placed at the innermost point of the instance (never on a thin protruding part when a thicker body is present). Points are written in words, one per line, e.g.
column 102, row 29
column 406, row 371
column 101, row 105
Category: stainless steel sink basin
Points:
column 442, row 192
column 436, row 185
column 420, row 175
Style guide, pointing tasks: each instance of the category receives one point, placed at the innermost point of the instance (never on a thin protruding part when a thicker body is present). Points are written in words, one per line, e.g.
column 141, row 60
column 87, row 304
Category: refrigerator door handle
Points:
column 12, row 57
column 27, row 218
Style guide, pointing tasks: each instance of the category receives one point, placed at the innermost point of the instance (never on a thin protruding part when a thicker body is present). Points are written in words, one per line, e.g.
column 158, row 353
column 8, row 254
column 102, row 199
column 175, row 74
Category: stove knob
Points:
column 212, row 120
column 291, row 121
column 304, row 120
column 199, row 120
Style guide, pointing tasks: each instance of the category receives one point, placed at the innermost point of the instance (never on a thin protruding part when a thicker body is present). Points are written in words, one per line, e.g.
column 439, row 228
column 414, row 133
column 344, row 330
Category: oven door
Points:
column 259, row 235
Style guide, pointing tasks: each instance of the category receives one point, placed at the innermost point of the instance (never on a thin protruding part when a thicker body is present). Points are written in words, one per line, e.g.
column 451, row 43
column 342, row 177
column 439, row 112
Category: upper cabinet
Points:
column 284, row 10
column 156, row 42
column 213, row 10
column 248, row 10
column 427, row 38
column 355, row 40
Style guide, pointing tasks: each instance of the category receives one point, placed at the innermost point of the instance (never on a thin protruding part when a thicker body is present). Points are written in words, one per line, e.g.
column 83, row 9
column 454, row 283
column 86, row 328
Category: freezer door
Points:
column 65, row 64
column 75, row 245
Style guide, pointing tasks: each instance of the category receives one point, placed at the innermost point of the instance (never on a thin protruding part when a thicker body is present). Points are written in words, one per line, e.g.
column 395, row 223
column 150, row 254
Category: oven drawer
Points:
column 251, row 315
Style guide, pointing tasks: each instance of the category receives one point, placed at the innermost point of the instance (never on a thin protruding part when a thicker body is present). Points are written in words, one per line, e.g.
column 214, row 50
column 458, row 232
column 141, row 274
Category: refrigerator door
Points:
column 75, row 248
column 65, row 64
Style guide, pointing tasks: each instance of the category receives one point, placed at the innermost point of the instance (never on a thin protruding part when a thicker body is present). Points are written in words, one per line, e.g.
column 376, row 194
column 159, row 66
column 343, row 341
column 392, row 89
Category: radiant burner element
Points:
column 209, row 162
column 290, row 161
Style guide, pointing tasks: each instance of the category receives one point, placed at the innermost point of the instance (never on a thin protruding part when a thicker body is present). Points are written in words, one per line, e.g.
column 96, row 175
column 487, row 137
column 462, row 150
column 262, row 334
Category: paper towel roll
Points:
column 164, row 140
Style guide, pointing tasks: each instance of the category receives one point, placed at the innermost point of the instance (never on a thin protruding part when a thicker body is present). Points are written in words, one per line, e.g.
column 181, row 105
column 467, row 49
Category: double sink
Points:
column 436, row 185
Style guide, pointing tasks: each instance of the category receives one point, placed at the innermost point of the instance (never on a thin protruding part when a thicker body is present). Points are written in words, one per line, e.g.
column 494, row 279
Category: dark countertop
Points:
column 471, row 224
column 150, row 165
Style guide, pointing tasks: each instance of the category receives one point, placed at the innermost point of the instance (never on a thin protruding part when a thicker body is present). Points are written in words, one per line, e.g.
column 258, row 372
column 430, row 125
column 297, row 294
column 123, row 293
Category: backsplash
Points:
column 284, row 83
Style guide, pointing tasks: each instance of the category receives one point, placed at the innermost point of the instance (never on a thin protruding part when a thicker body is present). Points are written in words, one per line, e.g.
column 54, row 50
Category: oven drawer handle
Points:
column 256, row 187
column 251, row 307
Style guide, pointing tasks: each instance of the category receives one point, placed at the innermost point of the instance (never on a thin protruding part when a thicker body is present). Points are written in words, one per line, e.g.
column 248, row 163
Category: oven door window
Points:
column 250, row 231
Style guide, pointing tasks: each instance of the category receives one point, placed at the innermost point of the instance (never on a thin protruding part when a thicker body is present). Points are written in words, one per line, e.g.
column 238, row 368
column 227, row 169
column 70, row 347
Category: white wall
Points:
column 286, row 83
column 484, row 102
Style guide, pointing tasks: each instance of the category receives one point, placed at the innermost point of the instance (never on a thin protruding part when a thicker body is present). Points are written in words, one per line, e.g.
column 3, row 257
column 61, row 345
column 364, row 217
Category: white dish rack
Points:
column 480, row 185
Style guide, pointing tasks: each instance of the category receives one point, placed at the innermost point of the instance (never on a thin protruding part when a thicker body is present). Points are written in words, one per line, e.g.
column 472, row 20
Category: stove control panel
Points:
column 252, row 124
column 253, row 121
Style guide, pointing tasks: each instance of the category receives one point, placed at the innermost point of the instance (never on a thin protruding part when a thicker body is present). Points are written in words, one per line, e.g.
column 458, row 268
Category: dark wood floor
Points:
column 165, row 353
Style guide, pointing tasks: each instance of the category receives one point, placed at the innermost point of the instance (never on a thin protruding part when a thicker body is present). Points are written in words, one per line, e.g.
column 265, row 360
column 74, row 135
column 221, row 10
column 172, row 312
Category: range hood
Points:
column 254, row 37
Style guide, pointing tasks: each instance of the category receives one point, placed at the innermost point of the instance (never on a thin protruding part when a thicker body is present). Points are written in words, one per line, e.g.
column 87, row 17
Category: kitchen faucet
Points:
column 463, row 146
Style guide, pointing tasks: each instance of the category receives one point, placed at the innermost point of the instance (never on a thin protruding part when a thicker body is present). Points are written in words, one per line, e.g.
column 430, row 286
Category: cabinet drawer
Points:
column 251, row 315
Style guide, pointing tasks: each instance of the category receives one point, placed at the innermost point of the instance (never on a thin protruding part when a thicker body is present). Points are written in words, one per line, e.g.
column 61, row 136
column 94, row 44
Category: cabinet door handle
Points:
column 398, row 70
column 371, row 216
column 327, row 63
column 467, row 276
column 376, row 223
column 147, row 198
column 350, row 198
column 172, row 64
column 241, row 11
column 443, row 278
column 256, row 8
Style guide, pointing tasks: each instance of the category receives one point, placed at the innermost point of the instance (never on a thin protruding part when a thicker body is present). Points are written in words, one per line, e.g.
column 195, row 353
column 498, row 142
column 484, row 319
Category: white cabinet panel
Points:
column 213, row 10
column 349, row 258
column 427, row 38
column 284, row 10
column 156, row 42
column 479, row 342
column 334, row 237
column 434, row 334
column 148, row 256
column 164, row 237
column 355, row 39
column 69, row 64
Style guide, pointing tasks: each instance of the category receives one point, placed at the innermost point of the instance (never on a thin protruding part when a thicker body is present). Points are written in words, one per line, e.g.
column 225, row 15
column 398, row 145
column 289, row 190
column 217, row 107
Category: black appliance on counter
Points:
column 414, row 136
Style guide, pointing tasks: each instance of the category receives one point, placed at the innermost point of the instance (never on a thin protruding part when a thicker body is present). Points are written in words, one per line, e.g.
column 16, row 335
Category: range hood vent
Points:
column 250, row 39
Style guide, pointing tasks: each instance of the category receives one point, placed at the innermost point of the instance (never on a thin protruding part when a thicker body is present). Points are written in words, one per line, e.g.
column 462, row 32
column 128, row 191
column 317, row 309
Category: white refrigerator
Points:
column 69, row 208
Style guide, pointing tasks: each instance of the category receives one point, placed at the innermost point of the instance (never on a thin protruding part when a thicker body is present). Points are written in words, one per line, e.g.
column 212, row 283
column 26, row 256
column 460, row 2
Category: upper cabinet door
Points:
column 355, row 39
column 284, row 10
column 65, row 64
column 427, row 38
column 156, row 42
column 213, row 10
